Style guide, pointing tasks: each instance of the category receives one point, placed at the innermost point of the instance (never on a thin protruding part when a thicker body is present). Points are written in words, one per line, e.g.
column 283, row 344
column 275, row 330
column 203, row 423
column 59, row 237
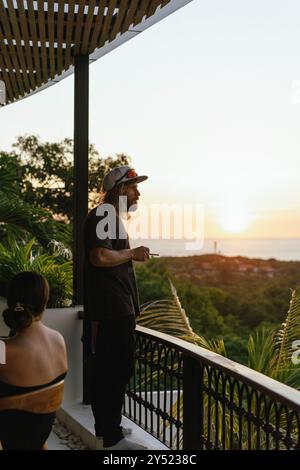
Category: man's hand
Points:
column 141, row 253
column 103, row 257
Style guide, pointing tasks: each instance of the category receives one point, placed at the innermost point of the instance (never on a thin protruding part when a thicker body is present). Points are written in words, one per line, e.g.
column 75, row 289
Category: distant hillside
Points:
column 224, row 269
column 224, row 297
column 259, row 289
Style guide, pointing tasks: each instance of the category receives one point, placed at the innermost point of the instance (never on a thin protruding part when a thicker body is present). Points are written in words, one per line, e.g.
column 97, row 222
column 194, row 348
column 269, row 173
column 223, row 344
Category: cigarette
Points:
column 154, row 254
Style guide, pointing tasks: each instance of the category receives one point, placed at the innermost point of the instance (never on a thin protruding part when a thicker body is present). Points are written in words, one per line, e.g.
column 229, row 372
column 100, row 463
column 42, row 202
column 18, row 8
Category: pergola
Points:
column 42, row 42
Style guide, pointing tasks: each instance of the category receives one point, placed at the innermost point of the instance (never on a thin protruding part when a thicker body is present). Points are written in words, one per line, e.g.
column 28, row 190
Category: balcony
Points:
column 185, row 397
column 206, row 401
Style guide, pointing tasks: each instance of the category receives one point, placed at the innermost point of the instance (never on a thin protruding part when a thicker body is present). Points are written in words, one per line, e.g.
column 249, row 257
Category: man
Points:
column 111, row 302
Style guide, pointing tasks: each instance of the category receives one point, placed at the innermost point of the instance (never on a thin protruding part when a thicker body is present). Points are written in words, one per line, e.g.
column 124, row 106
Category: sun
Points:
column 234, row 218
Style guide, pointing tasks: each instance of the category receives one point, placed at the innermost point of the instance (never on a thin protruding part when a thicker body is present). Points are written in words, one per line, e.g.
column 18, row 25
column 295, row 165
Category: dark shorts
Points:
column 115, row 349
column 21, row 430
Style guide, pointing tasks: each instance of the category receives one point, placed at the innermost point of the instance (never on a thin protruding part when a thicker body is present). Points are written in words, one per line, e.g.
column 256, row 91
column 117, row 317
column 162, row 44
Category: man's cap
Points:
column 120, row 175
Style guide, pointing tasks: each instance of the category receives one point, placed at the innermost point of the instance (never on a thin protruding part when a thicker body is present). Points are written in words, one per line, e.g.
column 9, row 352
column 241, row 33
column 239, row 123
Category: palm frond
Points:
column 28, row 257
column 290, row 332
column 168, row 316
column 8, row 174
column 261, row 351
column 19, row 217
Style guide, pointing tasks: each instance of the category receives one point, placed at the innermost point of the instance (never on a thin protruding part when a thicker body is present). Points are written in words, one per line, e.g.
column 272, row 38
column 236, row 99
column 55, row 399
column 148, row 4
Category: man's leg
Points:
column 112, row 413
column 97, row 399
column 114, row 367
column 107, row 402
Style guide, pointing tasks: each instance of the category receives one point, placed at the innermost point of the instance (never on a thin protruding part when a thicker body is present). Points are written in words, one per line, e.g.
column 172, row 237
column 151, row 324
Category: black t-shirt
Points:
column 109, row 292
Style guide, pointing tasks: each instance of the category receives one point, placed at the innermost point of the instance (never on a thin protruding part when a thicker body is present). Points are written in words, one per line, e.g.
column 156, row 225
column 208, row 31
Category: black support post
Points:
column 81, row 151
column 192, row 404
column 81, row 158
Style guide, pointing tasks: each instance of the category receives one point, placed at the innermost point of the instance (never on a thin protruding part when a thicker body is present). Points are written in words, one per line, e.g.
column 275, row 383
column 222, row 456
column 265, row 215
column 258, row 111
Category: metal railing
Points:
column 191, row 398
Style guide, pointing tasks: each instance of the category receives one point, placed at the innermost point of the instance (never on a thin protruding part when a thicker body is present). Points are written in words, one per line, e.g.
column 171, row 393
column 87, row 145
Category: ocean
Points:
column 285, row 249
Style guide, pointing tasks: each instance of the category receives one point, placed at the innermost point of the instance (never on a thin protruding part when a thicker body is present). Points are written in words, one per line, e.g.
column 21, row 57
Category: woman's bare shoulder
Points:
column 55, row 335
column 56, row 339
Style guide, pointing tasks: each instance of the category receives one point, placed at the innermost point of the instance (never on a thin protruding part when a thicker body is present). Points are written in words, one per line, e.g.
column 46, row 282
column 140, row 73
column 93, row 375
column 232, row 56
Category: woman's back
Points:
column 35, row 357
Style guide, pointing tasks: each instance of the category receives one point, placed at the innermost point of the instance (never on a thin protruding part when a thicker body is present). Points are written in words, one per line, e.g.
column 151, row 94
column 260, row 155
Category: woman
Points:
column 35, row 358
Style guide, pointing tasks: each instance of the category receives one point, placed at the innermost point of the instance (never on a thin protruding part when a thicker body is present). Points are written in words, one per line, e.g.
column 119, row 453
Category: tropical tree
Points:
column 47, row 177
column 168, row 316
column 20, row 219
column 29, row 256
column 269, row 352
column 37, row 185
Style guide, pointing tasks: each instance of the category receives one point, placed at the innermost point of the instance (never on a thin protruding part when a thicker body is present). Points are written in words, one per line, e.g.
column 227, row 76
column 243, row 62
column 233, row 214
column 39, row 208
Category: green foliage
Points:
column 167, row 316
column 36, row 200
column 219, row 308
column 15, row 258
column 290, row 331
column 236, row 345
column 198, row 302
column 268, row 352
column 153, row 281
column 261, row 351
column 18, row 218
column 47, row 177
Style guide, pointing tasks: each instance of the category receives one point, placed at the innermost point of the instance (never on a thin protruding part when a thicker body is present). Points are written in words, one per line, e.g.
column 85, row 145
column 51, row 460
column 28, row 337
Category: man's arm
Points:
column 104, row 257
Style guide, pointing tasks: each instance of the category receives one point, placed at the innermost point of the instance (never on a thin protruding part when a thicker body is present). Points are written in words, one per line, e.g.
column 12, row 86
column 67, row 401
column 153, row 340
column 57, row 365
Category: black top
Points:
column 23, row 430
column 7, row 390
column 109, row 292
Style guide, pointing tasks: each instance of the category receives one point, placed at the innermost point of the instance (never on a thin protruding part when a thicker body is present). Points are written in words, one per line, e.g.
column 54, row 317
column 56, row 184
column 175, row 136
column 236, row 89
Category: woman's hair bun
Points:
column 27, row 297
column 18, row 316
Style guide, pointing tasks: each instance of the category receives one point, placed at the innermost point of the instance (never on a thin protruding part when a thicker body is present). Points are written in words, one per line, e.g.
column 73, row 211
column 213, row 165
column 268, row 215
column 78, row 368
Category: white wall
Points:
column 64, row 320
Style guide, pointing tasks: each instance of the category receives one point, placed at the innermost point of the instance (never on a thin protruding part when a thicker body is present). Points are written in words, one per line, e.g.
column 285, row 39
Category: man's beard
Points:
column 132, row 207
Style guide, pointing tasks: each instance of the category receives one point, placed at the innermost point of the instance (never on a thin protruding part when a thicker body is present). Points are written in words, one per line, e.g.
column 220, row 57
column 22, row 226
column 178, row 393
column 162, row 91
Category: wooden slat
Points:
column 79, row 25
column 142, row 11
column 107, row 23
column 17, row 37
column 46, row 22
column 87, row 27
column 99, row 25
column 42, row 38
column 69, row 32
column 6, row 78
column 50, row 22
column 119, row 19
column 28, row 57
column 13, row 52
column 6, row 27
column 131, row 13
column 25, row 35
column 60, row 37
column 8, row 65
column 153, row 7
column 32, row 23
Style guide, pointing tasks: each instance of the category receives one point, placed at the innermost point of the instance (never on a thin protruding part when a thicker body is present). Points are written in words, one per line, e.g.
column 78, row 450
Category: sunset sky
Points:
column 207, row 103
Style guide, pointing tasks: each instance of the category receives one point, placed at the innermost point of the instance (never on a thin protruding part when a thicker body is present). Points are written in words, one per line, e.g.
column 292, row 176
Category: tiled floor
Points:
column 78, row 418
column 54, row 443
